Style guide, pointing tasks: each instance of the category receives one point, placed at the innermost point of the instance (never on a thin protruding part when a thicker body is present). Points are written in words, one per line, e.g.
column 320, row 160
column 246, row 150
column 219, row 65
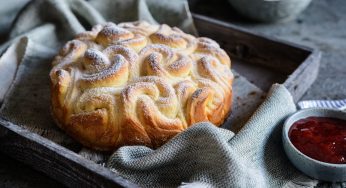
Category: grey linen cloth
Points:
column 203, row 155
column 207, row 156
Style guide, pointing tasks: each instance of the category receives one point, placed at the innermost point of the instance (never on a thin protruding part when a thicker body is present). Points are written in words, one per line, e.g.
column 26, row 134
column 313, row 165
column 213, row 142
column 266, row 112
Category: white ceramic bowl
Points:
column 270, row 10
column 311, row 167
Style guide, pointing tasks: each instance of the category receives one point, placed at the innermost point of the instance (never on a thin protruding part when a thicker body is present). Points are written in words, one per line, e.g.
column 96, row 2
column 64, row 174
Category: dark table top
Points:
column 322, row 26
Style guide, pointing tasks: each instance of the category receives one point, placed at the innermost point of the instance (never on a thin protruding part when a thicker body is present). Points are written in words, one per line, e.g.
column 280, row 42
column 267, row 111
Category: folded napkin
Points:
column 203, row 155
column 207, row 156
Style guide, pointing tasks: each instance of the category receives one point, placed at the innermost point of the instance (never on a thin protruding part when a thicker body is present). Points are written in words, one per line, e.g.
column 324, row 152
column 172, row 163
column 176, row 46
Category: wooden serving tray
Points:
column 261, row 60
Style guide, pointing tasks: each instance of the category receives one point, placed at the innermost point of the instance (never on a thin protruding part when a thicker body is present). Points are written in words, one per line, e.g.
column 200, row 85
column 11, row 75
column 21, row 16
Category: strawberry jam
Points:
column 320, row 138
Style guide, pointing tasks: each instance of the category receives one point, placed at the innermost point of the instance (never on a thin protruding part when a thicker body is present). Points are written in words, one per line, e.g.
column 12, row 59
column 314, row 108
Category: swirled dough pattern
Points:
column 138, row 84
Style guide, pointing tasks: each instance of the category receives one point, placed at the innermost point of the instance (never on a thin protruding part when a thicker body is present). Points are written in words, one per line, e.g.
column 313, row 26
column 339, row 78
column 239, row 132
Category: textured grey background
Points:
column 322, row 25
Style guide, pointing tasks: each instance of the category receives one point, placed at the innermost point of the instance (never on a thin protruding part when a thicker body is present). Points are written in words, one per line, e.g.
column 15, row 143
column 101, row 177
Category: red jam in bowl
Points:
column 320, row 138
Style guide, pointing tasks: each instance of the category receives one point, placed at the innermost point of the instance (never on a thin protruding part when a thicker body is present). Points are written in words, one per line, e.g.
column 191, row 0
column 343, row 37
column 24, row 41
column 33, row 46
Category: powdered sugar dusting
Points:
column 111, row 30
column 129, row 54
column 95, row 61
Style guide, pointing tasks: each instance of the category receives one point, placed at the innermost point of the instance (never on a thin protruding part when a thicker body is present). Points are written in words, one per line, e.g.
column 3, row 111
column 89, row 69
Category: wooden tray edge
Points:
column 305, row 74
column 60, row 163
column 253, row 33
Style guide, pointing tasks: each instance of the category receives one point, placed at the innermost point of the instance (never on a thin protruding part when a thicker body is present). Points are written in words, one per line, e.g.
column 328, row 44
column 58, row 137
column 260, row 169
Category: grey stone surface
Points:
column 322, row 26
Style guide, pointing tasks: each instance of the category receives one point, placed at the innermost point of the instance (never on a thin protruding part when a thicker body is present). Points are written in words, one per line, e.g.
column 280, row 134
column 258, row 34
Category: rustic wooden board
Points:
column 260, row 60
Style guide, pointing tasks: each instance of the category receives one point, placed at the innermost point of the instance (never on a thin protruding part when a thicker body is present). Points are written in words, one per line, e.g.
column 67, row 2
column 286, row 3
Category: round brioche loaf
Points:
column 138, row 84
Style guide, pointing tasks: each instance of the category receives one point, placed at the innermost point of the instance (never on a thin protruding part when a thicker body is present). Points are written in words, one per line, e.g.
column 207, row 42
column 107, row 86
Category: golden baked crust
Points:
column 136, row 83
